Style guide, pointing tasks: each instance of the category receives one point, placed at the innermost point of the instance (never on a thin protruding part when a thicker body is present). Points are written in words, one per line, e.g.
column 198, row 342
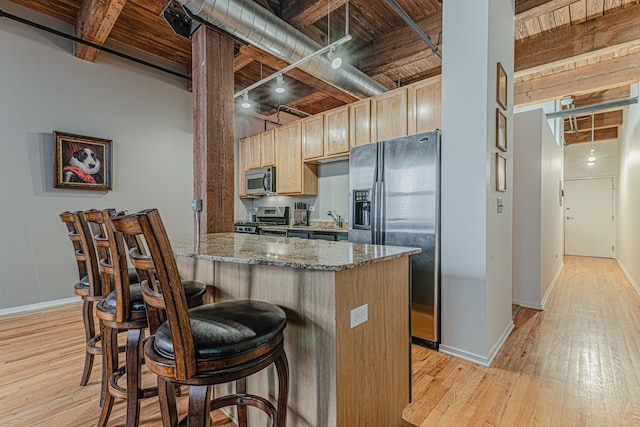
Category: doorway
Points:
column 589, row 218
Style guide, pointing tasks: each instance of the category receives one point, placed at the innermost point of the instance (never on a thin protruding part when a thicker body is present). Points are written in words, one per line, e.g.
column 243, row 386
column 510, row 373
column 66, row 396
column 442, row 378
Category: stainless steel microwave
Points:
column 260, row 181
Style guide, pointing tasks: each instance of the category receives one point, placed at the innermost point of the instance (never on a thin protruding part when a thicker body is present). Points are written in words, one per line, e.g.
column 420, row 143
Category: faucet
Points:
column 337, row 218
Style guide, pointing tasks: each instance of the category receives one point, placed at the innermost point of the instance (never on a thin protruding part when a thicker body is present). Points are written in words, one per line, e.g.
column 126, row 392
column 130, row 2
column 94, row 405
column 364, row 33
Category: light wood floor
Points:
column 572, row 365
column 575, row 364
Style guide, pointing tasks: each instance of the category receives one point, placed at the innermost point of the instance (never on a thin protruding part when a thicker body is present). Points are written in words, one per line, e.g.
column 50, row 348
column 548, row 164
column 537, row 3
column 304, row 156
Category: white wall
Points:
column 628, row 202
column 552, row 211
column 606, row 164
column 538, row 233
column 45, row 88
column 527, row 196
column 476, row 240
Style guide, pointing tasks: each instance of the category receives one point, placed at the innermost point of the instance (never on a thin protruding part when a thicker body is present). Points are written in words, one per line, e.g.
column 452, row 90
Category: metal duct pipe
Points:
column 250, row 22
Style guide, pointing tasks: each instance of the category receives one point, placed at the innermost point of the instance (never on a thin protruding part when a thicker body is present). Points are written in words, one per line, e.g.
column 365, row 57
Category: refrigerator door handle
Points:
column 374, row 213
column 383, row 213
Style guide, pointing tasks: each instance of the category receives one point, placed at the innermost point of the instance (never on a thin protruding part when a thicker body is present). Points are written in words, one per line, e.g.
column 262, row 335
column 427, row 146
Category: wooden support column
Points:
column 213, row 129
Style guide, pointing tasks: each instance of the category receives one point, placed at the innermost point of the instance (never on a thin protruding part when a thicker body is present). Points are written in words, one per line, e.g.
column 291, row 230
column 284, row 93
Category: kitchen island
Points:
column 339, row 375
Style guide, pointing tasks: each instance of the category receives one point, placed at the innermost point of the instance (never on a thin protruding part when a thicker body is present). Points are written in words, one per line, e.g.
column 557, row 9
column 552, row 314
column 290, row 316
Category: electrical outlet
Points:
column 312, row 208
column 359, row 315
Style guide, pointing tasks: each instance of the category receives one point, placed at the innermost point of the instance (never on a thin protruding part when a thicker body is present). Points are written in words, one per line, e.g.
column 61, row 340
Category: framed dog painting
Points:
column 82, row 162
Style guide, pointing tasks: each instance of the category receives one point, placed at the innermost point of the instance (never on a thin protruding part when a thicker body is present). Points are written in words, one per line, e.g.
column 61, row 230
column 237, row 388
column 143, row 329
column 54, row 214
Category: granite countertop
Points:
column 285, row 252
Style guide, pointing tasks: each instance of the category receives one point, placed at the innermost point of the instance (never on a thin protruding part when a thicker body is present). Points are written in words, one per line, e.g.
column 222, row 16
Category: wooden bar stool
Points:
column 203, row 346
column 123, row 309
column 88, row 286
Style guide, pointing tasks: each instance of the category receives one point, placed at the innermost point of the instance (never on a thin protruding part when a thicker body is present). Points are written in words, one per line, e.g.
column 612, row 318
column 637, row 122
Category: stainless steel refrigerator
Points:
column 394, row 200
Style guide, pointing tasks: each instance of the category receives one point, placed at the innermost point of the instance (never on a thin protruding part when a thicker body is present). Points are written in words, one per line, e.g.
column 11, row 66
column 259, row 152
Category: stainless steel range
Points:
column 266, row 216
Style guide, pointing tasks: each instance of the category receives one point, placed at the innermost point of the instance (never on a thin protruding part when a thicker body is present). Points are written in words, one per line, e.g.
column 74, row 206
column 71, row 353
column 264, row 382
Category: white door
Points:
column 588, row 217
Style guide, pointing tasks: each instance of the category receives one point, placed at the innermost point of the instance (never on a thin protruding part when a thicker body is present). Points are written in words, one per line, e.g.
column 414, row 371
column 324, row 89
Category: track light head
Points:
column 245, row 101
column 336, row 61
column 280, row 84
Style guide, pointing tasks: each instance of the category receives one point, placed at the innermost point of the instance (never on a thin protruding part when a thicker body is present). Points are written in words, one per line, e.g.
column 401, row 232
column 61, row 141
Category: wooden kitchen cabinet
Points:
column 389, row 113
column 292, row 175
column 360, row 123
column 313, row 137
column 268, row 148
column 253, row 152
column 336, row 131
column 242, row 165
column 425, row 105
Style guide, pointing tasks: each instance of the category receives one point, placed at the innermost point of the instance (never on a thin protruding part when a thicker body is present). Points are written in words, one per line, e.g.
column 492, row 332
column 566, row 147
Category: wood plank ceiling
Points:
column 586, row 49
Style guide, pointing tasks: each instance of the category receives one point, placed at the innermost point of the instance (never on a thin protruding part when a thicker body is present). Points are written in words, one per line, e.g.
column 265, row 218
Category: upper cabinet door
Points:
column 390, row 118
column 425, row 106
column 336, row 131
column 360, row 123
column 267, row 145
column 313, row 137
column 242, row 165
column 288, row 159
column 253, row 152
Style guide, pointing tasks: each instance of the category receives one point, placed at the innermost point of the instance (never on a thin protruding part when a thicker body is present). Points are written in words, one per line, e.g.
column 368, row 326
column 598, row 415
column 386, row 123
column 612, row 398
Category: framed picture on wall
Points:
column 501, row 84
column 501, row 130
column 81, row 162
column 501, row 172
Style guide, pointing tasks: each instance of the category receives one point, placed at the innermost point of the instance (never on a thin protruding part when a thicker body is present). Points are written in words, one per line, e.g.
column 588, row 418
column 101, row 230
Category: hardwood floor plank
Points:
column 574, row 364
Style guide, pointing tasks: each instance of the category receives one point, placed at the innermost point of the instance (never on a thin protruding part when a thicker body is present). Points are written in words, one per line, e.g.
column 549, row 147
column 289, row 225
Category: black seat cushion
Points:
column 191, row 290
column 227, row 328
column 135, row 296
column 83, row 284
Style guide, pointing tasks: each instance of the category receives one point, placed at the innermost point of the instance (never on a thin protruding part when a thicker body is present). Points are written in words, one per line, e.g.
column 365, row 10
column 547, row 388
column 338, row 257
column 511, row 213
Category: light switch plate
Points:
column 359, row 315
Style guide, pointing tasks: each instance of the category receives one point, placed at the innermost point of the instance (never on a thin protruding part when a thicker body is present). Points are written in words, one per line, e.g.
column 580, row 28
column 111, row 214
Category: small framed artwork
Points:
column 501, row 130
column 501, row 172
column 81, row 162
column 502, row 87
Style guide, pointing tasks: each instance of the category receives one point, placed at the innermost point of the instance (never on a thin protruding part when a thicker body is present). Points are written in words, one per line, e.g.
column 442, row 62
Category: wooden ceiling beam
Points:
column 306, row 78
column 94, row 24
column 598, row 97
column 600, row 121
column 240, row 61
column 598, row 135
column 594, row 37
column 401, row 47
column 527, row 9
column 602, row 75
column 301, row 13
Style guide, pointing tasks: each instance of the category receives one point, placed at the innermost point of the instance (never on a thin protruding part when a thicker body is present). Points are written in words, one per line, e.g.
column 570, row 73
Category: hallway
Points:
column 571, row 365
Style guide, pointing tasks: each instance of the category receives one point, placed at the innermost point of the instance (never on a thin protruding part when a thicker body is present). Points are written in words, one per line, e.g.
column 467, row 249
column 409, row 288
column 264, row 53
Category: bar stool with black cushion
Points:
column 88, row 286
column 123, row 309
column 208, row 345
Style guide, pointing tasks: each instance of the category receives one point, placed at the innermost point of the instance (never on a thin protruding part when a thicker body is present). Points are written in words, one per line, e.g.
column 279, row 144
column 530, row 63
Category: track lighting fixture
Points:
column 280, row 84
column 336, row 61
column 245, row 100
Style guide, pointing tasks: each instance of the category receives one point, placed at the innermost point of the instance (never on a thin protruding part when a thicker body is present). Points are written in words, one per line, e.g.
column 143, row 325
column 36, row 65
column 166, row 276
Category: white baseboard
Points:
column 37, row 306
column 551, row 286
column 626, row 273
column 477, row 359
column 543, row 303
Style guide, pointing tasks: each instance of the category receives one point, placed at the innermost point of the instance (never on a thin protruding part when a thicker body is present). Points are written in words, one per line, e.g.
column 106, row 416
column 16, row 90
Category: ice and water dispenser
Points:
column 362, row 209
